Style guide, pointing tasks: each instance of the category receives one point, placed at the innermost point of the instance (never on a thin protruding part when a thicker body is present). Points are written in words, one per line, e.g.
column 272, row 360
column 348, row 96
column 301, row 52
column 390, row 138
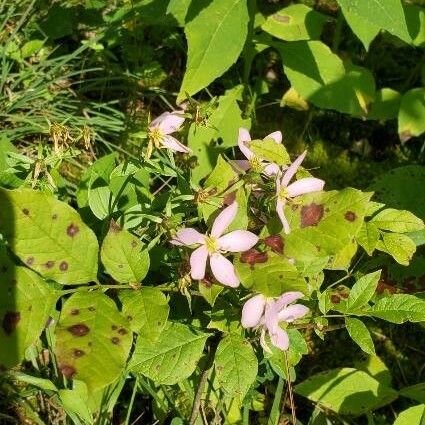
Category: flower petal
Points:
column 276, row 136
column 237, row 241
column 242, row 138
column 293, row 312
column 292, row 169
column 198, row 262
column 240, row 165
column 280, row 204
column 169, row 122
column 223, row 270
column 223, row 220
column 307, row 185
column 271, row 169
column 252, row 311
column 279, row 338
column 172, row 143
column 288, row 298
column 187, row 236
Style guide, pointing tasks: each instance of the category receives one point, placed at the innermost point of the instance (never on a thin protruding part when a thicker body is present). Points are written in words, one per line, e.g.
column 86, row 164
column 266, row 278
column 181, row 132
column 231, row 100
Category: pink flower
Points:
column 252, row 161
column 159, row 131
column 268, row 313
column 214, row 245
column 285, row 191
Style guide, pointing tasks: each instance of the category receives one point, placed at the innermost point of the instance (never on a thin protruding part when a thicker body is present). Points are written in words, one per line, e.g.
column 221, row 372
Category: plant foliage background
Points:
column 105, row 317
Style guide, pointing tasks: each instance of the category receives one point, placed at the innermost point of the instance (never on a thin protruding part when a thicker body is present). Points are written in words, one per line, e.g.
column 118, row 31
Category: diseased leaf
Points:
column 93, row 339
column 123, row 255
column 209, row 52
column 172, row 357
column 399, row 308
column 346, row 391
column 360, row 335
column 48, row 236
column 236, row 366
column 362, row 291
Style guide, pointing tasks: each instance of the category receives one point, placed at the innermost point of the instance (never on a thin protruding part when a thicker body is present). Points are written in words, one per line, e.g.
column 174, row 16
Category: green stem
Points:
column 133, row 396
column 275, row 410
column 245, row 417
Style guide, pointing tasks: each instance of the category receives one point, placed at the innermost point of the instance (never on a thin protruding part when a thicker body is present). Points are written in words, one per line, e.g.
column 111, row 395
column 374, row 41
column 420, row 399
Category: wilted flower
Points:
column 285, row 191
column 268, row 313
column 252, row 161
column 160, row 130
column 212, row 246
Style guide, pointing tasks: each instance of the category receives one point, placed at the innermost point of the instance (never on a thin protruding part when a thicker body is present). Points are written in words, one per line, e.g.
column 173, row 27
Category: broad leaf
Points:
column 236, row 365
column 415, row 392
column 146, row 309
column 360, row 335
column 93, row 339
column 399, row 246
column 346, row 391
column 123, row 255
column 400, row 221
column 271, row 151
column 411, row 118
column 368, row 237
column 48, row 236
column 399, row 308
column 412, row 415
column 385, row 106
column 172, row 357
column 362, row 291
column 209, row 52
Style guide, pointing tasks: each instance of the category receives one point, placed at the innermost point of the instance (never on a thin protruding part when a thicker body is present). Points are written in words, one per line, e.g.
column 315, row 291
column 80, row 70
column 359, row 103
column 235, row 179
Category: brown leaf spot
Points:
column 115, row 340
column 114, row 327
column 67, row 370
column 63, row 266
column 54, row 216
column 114, row 226
column 78, row 353
column 284, row 19
column 49, row 264
column 275, row 242
column 335, row 299
column 311, row 214
column 133, row 244
column 26, row 211
column 29, row 261
column 80, row 329
column 122, row 331
column 91, row 308
column 253, row 256
column 72, row 230
column 75, row 312
column 350, row 216
column 129, row 318
column 10, row 321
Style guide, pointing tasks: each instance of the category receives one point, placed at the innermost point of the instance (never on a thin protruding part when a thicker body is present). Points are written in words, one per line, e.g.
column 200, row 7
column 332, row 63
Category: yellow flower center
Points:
column 211, row 244
column 283, row 194
column 256, row 164
column 156, row 136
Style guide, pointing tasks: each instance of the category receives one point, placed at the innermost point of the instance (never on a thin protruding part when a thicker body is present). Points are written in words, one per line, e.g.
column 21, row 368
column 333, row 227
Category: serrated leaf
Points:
column 123, row 255
column 295, row 22
column 236, row 365
column 346, row 391
column 399, row 308
column 362, row 291
column 209, row 53
column 146, row 310
column 48, row 236
column 360, row 334
column 93, row 339
column 411, row 117
column 412, row 415
column 399, row 246
column 172, row 357
column 368, row 237
column 384, row 14
column 271, row 151
column 25, row 304
column 400, row 221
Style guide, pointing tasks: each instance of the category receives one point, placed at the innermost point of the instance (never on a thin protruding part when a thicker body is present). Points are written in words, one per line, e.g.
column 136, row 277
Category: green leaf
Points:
column 360, row 334
column 209, row 52
column 368, row 237
column 210, row 292
column 376, row 368
column 221, row 177
column 385, row 14
column 146, row 310
column 93, row 339
column 399, row 246
column 411, row 118
column 271, row 151
column 415, row 392
column 75, row 402
column 123, row 255
column 412, row 415
column 31, row 47
column 295, row 22
column 48, row 236
column 415, row 20
column 399, row 308
column 346, row 391
column 172, row 357
column 42, row 383
column 236, row 365
column 400, row 221
column 25, row 304
column 362, row 291
column 385, row 106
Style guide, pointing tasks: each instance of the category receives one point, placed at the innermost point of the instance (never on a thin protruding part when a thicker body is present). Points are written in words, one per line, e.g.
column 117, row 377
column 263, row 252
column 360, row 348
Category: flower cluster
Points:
column 259, row 311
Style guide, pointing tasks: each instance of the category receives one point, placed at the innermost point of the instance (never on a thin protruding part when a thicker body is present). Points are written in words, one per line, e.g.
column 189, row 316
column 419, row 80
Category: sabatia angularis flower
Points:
column 285, row 191
column 252, row 161
column 160, row 130
column 214, row 245
column 269, row 312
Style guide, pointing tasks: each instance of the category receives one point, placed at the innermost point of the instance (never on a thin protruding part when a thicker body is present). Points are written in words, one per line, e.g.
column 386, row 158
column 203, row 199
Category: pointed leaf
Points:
column 399, row 308
column 360, row 335
column 362, row 291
